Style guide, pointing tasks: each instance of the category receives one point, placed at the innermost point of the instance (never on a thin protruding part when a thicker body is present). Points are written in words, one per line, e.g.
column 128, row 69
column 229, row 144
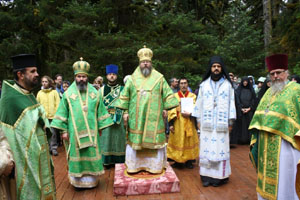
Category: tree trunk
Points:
column 275, row 8
column 267, row 23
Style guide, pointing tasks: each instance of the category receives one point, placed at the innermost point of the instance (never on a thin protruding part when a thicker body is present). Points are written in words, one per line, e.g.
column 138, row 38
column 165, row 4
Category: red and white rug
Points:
column 144, row 183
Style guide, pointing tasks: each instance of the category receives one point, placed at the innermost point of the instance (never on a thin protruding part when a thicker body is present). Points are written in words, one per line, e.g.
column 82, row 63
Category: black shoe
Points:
column 225, row 180
column 54, row 152
column 205, row 184
column 178, row 165
column 216, row 184
column 220, row 182
column 189, row 164
column 109, row 166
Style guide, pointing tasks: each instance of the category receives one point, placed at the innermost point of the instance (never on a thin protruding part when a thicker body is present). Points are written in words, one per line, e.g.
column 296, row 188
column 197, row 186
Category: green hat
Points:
column 81, row 67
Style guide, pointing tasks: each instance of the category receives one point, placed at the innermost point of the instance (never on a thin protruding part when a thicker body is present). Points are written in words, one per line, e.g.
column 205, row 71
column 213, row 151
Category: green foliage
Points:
column 182, row 34
column 242, row 46
column 194, row 80
column 287, row 35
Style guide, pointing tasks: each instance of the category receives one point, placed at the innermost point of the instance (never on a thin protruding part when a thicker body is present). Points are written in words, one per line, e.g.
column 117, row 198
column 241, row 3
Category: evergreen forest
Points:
column 183, row 35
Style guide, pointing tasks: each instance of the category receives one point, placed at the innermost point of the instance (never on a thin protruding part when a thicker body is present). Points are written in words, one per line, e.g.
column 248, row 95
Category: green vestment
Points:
column 145, row 98
column 113, row 138
column 23, row 121
column 82, row 115
column 276, row 117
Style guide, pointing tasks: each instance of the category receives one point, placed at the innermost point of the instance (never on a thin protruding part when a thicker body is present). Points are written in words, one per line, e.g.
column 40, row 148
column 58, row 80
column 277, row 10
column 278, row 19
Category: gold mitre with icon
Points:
column 81, row 67
column 145, row 54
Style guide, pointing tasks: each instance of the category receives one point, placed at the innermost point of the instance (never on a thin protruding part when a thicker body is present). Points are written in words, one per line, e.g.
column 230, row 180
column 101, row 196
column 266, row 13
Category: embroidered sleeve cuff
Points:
column 61, row 118
column 104, row 117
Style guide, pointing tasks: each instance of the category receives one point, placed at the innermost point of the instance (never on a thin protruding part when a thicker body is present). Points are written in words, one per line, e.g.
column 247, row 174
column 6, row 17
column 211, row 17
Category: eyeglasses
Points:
column 277, row 73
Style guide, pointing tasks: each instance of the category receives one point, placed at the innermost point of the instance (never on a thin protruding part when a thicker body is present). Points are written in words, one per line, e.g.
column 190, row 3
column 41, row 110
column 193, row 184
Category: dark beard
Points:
column 81, row 85
column 112, row 83
column 216, row 77
column 30, row 85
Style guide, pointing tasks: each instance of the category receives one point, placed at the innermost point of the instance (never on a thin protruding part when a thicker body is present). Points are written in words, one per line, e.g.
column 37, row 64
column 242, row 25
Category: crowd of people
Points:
column 102, row 124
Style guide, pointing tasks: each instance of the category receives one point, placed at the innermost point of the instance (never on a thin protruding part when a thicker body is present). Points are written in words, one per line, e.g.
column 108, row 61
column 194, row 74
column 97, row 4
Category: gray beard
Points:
column 146, row 72
column 277, row 86
column 81, row 86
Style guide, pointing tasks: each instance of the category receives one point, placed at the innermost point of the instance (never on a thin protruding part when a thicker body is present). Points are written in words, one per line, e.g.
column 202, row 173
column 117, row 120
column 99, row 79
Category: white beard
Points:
column 277, row 86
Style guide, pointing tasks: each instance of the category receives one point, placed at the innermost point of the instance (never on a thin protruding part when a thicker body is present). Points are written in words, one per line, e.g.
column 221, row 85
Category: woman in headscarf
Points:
column 295, row 78
column 266, row 85
column 246, row 105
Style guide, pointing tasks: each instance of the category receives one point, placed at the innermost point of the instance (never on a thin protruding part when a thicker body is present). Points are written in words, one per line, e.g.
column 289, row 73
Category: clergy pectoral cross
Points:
column 266, row 111
column 85, row 108
column 215, row 103
column 143, row 92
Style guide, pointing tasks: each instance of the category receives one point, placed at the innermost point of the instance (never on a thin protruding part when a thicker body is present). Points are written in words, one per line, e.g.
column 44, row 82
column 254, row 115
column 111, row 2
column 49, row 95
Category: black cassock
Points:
column 246, row 99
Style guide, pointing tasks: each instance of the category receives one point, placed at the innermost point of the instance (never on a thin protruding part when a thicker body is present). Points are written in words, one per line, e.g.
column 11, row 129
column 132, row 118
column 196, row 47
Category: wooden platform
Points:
column 241, row 184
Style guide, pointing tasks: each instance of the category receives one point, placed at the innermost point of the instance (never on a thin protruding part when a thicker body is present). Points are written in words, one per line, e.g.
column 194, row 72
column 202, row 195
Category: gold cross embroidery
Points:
column 273, row 139
column 271, row 163
column 47, row 188
column 92, row 95
column 261, row 160
column 73, row 96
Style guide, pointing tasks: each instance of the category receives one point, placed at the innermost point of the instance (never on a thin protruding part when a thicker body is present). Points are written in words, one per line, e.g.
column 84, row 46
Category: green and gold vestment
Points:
column 82, row 115
column 145, row 98
column 113, row 138
column 276, row 117
column 23, row 121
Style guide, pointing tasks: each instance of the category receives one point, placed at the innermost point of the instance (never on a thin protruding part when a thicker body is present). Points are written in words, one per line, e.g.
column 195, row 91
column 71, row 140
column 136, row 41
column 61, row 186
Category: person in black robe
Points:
column 246, row 105
column 234, row 134
column 266, row 85
column 295, row 78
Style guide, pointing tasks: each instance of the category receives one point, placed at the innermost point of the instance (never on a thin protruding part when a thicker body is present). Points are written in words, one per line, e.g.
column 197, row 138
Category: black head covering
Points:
column 22, row 61
column 216, row 59
column 262, row 90
column 296, row 77
column 248, row 86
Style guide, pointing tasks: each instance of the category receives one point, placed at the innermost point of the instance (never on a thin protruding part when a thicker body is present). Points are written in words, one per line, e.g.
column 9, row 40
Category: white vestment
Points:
column 214, row 108
column 151, row 160
column 86, row 181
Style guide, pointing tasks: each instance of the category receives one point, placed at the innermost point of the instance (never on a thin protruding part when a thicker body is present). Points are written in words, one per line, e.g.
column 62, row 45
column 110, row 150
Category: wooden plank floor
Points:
column 241, row 184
